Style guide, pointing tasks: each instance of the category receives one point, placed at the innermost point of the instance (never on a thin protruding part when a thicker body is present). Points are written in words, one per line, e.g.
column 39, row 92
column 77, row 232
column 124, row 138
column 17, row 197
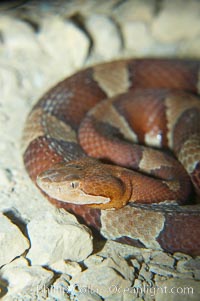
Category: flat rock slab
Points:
column 12, row 242
column 58, row 236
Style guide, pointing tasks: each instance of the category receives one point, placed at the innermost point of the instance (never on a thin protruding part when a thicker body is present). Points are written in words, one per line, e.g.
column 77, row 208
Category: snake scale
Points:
column 94, row 145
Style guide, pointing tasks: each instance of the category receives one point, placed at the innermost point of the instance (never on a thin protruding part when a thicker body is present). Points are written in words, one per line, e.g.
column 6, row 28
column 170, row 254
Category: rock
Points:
column 180, row 256
column 145, row 274
column 68, row 49
column 18, row 262
column 126, row 296
column 119, row 264
column 177, row 21
column 137, row 10
column 158, row 278
column 5, row 179
column 12, row 242
column 87, row 296
column 21, row 50
column 67, row 267
column 137, row 283
column 57, row 237
column 59, row 290
column 149, row 297
column 191, row 265
column 137, row 38
column 112, row 247
column 147, row 256
column 144, row 290
column 190, row 47
column 104, row 279
column 162, row 259
column 116, row 297
column 8, row 78
column 3, row 289
column 17, row 35
column 197, row 275
column 178, row 290
column 107, row 43
column 135, row 264
column 22, row 278
column 93, row 260
column 167, row 271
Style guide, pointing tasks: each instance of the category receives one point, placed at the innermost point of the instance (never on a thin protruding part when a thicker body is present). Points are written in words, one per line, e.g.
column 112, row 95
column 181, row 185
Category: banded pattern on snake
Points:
column 92, row 145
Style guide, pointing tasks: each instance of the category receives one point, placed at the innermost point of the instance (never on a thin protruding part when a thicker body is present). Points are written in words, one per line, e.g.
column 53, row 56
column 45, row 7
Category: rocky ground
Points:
column 45, row 254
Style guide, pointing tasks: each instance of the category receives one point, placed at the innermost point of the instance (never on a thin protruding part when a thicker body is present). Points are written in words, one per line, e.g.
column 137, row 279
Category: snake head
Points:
column 86, row 182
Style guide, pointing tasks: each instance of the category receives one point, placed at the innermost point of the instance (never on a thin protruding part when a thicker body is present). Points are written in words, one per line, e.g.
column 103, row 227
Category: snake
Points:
column 118, row 145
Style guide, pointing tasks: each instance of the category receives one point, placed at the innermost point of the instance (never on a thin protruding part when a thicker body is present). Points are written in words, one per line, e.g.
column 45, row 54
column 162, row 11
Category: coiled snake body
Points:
column 86, row 147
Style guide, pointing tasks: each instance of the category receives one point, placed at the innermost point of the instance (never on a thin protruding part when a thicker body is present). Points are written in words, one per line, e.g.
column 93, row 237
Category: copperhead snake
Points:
column 92, row 145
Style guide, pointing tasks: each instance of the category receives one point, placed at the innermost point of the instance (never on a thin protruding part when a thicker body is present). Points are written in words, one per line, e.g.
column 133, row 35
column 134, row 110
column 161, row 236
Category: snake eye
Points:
column 74, row 184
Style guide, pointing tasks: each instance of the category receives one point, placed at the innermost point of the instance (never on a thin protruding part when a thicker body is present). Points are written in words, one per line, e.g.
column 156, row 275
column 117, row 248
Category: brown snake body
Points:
column 86, row 147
